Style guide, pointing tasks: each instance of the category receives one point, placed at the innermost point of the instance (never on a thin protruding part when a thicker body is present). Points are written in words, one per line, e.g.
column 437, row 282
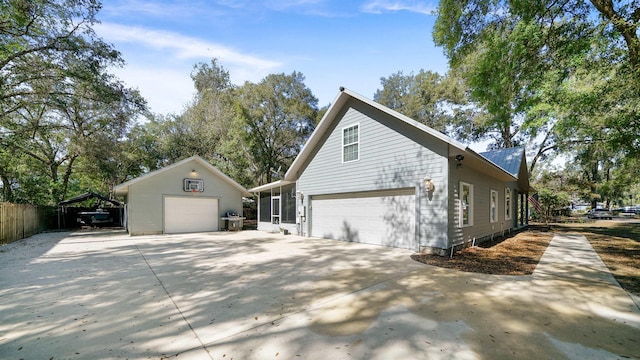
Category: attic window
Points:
column 350, row 143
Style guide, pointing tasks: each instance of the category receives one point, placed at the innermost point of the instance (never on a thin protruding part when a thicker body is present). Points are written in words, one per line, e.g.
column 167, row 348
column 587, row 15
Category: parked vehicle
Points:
column 600, row 214
column 95, row 218
column 631, row 210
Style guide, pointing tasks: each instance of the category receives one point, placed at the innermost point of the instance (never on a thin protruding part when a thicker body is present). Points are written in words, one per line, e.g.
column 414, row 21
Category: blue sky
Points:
column 333, row 43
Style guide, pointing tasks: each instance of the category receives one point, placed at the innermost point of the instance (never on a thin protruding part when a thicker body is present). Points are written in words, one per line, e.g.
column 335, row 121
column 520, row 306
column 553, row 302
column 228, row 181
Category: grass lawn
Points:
column 616, row 242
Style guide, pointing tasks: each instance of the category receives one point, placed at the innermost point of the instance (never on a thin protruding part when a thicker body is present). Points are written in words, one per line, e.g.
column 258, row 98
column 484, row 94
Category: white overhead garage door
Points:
column 380, row 218
column 190, row 214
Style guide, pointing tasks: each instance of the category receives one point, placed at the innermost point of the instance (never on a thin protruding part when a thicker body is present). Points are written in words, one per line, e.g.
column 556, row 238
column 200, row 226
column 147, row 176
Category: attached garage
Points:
column 189, row 214
column 384, row 218
column 372, row 175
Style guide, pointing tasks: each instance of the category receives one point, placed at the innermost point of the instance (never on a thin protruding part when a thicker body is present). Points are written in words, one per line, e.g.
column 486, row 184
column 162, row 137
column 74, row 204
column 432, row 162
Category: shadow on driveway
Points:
column 257, row 295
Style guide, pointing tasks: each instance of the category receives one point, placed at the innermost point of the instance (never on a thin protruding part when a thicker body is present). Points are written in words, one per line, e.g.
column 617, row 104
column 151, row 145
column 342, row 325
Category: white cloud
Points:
column 159, row 63
column 167, row 91
column 180, row 46
column 380, row 6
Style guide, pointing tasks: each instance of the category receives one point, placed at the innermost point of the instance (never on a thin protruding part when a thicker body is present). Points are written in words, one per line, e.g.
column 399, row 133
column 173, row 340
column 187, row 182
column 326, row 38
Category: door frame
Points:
column 273, row 208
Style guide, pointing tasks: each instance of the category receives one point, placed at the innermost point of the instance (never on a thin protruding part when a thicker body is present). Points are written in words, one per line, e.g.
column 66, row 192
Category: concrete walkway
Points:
column 252, row 295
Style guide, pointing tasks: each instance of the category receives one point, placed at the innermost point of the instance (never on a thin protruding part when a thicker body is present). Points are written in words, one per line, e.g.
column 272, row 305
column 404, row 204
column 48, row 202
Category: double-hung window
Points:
column 351, row 143
column 507, row 204
column 493, row 207
column 466, row 204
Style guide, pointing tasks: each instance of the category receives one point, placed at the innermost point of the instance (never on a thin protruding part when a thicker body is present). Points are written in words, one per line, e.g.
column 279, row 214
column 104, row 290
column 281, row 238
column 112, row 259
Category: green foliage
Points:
column 251, row 133
column 561, row 77
column 279, row 114
column 437, row 101
column 553, row 200
column 210, row 127
column 59, row 107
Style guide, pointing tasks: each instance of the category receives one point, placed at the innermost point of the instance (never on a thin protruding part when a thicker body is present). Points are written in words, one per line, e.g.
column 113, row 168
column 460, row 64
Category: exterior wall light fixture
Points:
column 428, row 184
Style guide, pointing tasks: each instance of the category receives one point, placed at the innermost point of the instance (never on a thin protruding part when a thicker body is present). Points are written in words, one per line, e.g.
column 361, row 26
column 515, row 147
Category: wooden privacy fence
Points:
column 19, row 221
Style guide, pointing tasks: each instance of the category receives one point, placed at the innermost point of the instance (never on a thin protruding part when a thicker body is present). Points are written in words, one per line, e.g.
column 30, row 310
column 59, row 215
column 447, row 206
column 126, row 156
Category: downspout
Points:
column 258, row 208
column 417, row 203
column 453, row 203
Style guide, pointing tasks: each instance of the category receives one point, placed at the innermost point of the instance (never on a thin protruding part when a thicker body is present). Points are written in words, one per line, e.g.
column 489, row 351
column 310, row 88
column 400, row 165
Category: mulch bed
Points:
column 515, row 255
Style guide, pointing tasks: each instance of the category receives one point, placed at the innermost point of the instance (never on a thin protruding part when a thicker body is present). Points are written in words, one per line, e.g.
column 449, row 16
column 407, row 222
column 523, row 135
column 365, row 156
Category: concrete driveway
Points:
column 253, row 295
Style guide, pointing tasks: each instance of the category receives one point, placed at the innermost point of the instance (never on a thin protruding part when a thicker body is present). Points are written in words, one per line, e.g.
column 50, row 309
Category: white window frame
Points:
column 357, row 142
column 493, row 206
column 507, row 203
column 469, row 206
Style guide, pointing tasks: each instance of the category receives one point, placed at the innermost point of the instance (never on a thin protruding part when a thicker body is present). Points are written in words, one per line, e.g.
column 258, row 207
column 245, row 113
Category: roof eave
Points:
column 123, row 189
column 323, row 125
column 269, row 186
column 334, row 110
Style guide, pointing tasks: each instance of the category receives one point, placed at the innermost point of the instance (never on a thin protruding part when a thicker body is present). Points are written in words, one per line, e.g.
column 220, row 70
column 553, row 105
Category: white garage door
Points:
column 190, row 214
column 380, row 218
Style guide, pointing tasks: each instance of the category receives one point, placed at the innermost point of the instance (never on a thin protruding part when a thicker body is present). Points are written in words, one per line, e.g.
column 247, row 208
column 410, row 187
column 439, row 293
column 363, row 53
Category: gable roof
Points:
column 332, row 115
column 123, row 188
column 86, row 196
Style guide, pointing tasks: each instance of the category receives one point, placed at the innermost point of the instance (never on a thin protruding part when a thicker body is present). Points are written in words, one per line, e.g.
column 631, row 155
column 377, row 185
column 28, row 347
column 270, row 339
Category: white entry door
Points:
column 190, row 214
column 380, row 218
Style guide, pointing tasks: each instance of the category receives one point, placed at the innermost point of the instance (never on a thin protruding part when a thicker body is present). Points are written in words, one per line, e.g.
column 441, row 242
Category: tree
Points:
column 85, row 123
column 58, row 104
column 279, row 115
column 437, row 101
column 39, row 40
column 518, row 58
column 210, row 126
column 553, row 200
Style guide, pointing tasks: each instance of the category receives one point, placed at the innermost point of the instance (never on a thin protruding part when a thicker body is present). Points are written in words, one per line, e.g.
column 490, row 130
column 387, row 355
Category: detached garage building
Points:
column 188, row 196
column 372, row 175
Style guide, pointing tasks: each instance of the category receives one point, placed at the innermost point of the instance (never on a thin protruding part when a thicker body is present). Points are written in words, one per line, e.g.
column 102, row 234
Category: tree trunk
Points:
column 626, row 27
column 7, row 192
column 67, row 176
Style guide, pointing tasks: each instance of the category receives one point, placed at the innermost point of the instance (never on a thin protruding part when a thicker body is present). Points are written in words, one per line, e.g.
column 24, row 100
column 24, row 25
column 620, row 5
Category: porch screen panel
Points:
column 265, row 207
column 288, row 215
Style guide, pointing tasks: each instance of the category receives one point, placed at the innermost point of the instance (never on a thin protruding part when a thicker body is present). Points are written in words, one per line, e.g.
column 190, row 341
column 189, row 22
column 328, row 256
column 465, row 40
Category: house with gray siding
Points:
column 188, row 196
column 370, row 174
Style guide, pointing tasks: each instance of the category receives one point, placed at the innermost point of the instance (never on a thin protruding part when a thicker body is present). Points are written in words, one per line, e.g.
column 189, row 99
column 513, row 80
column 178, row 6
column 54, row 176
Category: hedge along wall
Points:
column 19, row 221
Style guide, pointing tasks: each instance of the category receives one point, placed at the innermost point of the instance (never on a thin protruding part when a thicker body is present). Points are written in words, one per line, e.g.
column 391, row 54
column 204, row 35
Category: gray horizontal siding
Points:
column 387, row 160
column 482, row 226
column 392, row 155
column 145, row 199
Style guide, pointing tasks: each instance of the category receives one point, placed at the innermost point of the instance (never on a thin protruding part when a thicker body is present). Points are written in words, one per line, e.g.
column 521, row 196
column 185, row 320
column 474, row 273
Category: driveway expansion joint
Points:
column 204, row 347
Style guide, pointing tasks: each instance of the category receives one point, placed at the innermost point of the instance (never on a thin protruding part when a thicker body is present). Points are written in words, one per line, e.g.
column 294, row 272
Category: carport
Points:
column 68, row 215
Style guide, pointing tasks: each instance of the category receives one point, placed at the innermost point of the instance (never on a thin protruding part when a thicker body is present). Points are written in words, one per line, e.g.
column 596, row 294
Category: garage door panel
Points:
column 380, row 220
column 190, row 214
